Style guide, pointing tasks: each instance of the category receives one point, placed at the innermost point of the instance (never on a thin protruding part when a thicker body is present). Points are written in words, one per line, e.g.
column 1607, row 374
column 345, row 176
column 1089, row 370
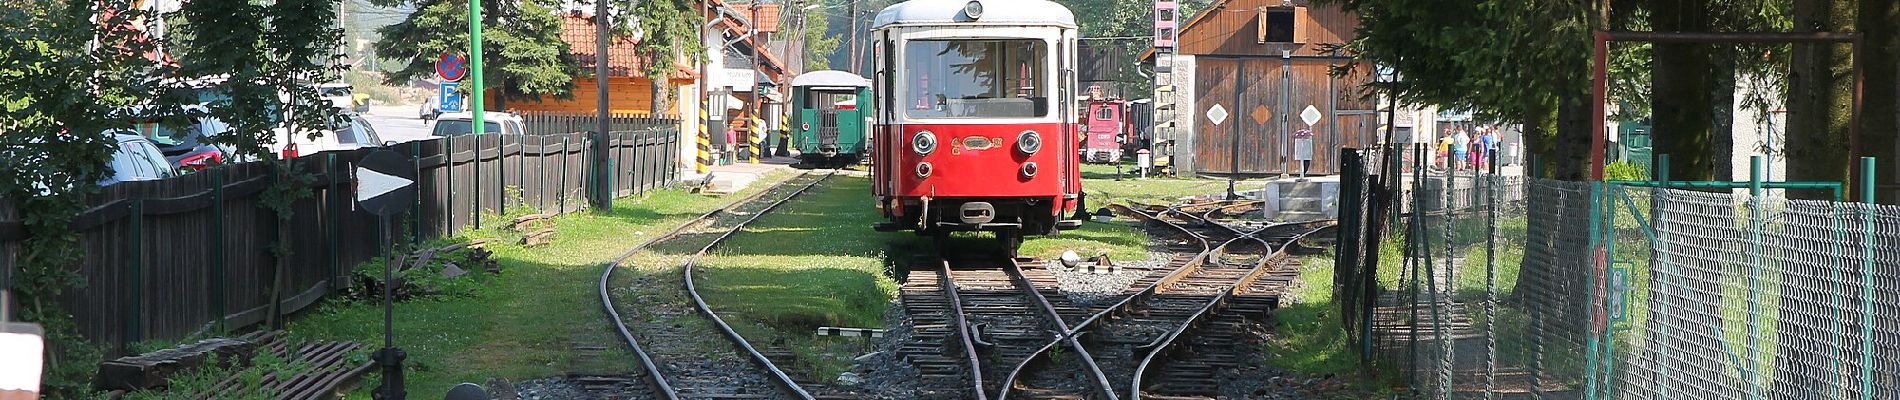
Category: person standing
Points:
column 1444, row 150
column 1461, row 147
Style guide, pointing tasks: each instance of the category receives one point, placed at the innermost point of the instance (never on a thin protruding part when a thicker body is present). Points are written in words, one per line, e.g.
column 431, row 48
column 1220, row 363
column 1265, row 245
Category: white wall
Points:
column 1758, row 132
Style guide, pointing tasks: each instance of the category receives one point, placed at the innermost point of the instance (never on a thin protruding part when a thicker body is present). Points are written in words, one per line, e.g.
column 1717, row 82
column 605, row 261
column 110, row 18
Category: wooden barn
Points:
column 1243, row 72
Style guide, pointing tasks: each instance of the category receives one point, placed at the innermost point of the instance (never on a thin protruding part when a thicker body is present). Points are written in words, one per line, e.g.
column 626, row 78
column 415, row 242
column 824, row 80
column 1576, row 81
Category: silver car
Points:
column 135, row 158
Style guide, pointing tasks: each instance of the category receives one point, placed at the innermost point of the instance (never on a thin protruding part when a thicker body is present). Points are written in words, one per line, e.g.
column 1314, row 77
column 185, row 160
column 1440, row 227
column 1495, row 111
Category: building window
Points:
column 1277, row 25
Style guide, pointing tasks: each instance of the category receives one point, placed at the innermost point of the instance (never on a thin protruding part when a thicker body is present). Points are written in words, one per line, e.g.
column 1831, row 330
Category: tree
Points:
column 670, row 32
column 1880, row 118
column 524, row 56
column 65, row 67
column 1820, row 96
column 810, row 37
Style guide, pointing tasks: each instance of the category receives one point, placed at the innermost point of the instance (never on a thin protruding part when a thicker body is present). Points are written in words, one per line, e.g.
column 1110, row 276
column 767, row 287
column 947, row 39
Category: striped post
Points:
column 705, row 139
column 757, row 139
column 784, row 132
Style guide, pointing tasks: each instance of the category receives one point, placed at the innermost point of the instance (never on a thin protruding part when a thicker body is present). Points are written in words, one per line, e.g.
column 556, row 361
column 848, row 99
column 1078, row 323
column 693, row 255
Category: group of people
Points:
column 1460, row 149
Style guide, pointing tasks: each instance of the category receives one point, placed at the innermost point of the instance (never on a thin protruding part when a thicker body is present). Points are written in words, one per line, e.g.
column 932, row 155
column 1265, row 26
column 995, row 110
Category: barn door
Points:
column 1214, row 122
column 1266, row 117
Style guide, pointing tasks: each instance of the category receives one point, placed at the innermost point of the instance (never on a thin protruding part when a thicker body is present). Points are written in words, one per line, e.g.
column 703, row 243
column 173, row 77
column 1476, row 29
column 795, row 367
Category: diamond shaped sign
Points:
column 1217, row 114
column 1310, row 116
column 1260, row 114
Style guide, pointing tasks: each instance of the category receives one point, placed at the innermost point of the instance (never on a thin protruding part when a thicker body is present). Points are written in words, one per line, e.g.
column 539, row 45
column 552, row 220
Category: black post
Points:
column 390, row 356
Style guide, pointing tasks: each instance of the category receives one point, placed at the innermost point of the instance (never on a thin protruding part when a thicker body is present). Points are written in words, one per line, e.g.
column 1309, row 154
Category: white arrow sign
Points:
column 371, row 184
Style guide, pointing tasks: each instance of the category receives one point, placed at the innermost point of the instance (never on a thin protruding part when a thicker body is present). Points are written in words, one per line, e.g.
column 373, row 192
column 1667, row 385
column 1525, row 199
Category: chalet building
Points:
column 727, row 76
column 1242, row 72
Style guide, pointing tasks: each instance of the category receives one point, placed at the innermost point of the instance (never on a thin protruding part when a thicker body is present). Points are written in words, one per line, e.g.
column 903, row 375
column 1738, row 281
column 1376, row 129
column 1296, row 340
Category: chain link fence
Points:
column 1588, row 290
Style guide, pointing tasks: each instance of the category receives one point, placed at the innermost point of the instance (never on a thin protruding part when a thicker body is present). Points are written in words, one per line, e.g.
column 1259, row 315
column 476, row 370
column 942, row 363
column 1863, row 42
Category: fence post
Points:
column 448, row 169
column 333, row 217
column 477, row 210
column 1590, row 285
column 218, row 249
column 1867, row 172
column 415, row 218
column 563, row 185
column 135, row 303
column 521, row 168
column 1749, row 374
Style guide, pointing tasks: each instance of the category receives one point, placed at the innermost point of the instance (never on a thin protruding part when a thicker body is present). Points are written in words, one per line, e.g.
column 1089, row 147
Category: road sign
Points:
column 450, row 99
column 1303, row 145
column 451, row 67
column 1217, row 114
column 385, row 183
column 1310, row 115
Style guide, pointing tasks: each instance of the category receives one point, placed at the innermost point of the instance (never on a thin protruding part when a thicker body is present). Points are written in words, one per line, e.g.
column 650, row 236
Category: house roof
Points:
column 623, row 57
column 769, row 15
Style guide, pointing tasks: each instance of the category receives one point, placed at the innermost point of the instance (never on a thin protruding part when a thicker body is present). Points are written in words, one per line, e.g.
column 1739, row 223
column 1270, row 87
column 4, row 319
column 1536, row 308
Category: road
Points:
column 397, row 123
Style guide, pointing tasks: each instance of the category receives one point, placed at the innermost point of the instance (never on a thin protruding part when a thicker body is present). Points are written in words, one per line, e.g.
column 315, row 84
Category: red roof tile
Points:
column 623, row 58
column 768, row 20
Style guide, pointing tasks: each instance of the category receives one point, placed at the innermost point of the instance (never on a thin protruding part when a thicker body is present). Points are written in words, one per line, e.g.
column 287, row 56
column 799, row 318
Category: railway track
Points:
column 1153, row 320
column 675, row 353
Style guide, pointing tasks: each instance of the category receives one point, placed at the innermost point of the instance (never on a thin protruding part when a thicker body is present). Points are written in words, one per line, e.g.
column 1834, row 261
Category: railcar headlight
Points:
column 923, row 170
column 1029, row 169
column 923, row 143
column 973, row 9
column 1029, row 142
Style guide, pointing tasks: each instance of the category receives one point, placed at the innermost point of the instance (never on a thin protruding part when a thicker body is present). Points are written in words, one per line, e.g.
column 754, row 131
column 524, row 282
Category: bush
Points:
column 1625, row 171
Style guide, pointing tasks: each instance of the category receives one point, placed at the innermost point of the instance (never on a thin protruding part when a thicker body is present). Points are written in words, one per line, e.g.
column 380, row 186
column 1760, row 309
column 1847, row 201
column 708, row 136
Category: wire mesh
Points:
column 1594, row 291
column 1743, row 297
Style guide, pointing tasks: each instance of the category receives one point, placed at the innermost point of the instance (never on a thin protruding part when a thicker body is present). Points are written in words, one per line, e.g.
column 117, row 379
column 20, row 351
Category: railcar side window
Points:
column 975, row 79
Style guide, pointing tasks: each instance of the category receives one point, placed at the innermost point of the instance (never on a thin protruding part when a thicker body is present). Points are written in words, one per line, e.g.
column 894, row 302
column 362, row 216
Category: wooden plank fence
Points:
column 167, row 259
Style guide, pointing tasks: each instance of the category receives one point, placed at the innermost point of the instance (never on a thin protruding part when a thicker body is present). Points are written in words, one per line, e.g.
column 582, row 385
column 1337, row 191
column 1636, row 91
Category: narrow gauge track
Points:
column 1162, row 311
column 650, row 370
column 1187, row 363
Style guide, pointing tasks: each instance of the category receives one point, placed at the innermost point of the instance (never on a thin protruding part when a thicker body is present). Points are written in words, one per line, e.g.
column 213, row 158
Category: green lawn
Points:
column 526, row 322
column 814, row 262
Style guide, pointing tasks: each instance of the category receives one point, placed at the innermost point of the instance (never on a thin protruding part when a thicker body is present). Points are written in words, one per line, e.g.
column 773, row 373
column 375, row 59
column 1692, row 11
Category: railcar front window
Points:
column 975, row 79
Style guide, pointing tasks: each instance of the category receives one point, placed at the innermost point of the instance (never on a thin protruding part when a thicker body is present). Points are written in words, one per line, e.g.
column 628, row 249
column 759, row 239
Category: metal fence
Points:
column 171, row 258
column 1596, row 290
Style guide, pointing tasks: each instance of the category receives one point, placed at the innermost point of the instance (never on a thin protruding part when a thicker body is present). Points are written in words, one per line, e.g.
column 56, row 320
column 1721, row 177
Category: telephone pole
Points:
column 851, row 11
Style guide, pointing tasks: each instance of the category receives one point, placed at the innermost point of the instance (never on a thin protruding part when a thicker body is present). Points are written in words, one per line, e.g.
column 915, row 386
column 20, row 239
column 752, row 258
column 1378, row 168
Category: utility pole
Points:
column 852, row 13
column 703, row 161
column 475, row 66
column 754, row 136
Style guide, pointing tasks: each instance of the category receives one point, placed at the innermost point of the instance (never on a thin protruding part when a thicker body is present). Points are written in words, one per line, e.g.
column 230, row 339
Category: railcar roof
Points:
column 830, row 78
column 997, row 12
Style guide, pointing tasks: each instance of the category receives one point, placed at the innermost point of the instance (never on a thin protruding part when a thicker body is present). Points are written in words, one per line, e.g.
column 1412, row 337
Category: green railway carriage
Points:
column 829, row 117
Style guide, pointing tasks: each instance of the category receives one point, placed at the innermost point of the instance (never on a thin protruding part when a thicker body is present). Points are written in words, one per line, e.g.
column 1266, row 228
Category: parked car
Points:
column 354, row 133
column 136, row 158
column 183, row 139
column 342, row 96
column 458, row 124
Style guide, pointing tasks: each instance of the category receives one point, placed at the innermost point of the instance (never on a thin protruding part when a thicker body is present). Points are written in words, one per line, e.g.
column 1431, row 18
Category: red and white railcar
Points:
column 976, row 121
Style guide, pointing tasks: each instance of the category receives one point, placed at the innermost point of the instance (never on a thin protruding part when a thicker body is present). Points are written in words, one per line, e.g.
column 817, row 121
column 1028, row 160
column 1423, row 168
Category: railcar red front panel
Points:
column 981, row 161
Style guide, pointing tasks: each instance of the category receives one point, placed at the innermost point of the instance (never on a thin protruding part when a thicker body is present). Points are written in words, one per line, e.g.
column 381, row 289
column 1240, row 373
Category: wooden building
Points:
column 1248, row 68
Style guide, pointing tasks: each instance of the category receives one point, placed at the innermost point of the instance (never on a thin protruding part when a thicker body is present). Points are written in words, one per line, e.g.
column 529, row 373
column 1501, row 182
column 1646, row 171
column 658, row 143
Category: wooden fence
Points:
column 167, row 259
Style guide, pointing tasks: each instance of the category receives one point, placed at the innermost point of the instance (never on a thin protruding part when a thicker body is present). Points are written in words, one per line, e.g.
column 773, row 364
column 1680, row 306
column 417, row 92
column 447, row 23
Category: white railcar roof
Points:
column 995, row 12
column 830, row 78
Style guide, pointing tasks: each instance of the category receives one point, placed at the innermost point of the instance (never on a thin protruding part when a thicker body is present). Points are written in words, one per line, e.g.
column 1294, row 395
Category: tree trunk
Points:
column 1722, row 108
column 1574, row 136
column 1820, row 98
column 1681, row 82
column 1880, row 95
column 662, row 98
